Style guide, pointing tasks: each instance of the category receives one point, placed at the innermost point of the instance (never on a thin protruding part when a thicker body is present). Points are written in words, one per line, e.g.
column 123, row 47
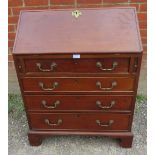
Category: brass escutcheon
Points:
column 76, row 13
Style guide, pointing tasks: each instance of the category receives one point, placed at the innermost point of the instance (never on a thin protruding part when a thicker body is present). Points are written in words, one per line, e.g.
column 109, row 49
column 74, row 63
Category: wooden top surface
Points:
column 108, row 30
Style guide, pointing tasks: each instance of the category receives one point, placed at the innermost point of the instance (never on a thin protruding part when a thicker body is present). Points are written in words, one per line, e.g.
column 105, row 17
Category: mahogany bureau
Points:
column 78, row 71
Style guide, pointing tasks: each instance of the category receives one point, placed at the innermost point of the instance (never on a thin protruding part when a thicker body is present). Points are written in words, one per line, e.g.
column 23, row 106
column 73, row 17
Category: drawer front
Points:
column 85, row 65
column 78, row 102
column 76, row 121
column 104, row 84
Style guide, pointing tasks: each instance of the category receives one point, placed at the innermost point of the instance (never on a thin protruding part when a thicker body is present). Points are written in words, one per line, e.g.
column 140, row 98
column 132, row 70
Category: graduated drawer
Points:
column 77, row 121
column 84, row 65
column 82, row 84
column 78, row 103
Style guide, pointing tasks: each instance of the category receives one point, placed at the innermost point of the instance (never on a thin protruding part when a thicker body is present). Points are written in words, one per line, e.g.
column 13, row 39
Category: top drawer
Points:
column 84, row 65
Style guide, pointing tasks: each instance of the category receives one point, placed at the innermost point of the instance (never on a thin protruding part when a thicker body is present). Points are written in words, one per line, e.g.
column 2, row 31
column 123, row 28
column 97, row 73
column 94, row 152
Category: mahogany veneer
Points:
column 79, row 76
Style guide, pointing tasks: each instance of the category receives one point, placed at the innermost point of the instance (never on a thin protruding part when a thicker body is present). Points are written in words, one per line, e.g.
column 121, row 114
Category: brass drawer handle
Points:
column 53, row 124
column 53, row 65
column 99, row 65
column 55, row 84
column 99, row 85
column 105, row 124
column 99, row 104
column 56, row 103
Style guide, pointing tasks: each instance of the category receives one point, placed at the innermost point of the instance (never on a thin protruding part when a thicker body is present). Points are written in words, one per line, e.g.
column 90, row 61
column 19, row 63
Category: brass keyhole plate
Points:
column 76, row 13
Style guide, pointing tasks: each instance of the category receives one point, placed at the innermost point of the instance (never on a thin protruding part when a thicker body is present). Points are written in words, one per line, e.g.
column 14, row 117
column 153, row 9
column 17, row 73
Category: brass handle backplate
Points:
column 110, row 122
column 41, row 85
column 53, row 65
column 53, row 124
column 55, row 104
column 99, row 104
column 99, row 85
column 99, row 65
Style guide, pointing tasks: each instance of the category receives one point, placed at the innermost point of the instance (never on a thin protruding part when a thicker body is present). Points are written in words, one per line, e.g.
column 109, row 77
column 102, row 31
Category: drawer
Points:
column 84, row 65
column 78, row 103
column 101, row 84
column 77, row 121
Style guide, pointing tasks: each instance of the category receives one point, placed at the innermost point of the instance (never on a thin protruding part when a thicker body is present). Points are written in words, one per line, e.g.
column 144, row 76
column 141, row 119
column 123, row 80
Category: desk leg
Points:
column 34, row 139
column 126, row 141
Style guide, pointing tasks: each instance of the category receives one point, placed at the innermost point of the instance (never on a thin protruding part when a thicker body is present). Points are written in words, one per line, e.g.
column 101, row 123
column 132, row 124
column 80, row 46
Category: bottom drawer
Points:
column 79, row 121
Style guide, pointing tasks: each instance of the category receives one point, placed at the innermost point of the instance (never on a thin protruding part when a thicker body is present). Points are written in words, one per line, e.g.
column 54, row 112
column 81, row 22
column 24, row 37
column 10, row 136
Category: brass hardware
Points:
column 99, row 85
column 53, row 124
column 103, row 124
column 53, row 65
column 98, row 103
column 44, row 103
column 19, row 66
column 41, row 85
column 76, row 13
column 99, row 65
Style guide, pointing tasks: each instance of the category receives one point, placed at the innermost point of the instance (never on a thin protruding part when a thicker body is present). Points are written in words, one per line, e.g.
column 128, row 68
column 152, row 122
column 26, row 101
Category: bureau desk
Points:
column 78, row 71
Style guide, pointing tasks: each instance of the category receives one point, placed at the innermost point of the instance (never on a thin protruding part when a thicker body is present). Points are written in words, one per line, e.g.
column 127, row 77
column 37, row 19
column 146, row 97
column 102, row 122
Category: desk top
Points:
column 106, row 30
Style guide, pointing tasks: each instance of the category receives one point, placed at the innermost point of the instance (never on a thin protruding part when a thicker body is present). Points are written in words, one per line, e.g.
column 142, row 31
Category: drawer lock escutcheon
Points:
column 53, row 65
column 99, row 65
column 59, row 122
column 99, row 104
column 55, row 104
column 110, row 122
column 99, row 85
column 55, row 84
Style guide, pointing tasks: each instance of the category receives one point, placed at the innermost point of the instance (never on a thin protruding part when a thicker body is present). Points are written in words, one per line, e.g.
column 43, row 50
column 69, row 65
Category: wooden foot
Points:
column 126, row 142
column 36, row 137
column 34, row 140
